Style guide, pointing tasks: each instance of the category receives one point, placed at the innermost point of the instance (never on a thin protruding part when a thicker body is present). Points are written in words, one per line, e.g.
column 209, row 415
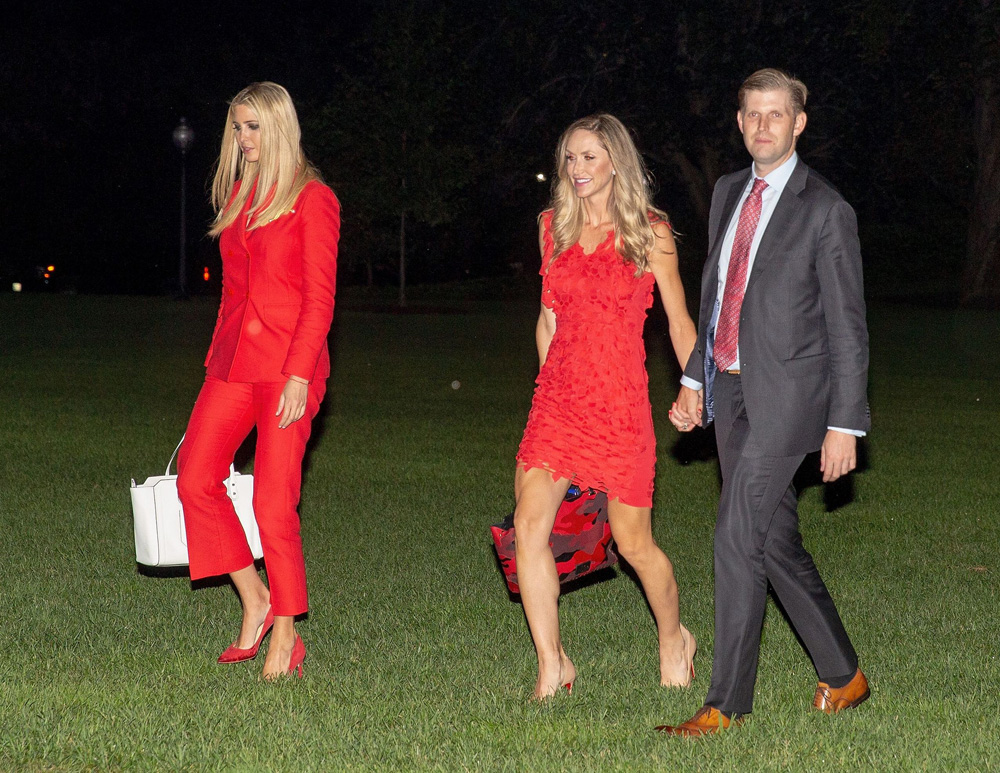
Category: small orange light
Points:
column 50, row 268
column 205, row 274
column 46, row 274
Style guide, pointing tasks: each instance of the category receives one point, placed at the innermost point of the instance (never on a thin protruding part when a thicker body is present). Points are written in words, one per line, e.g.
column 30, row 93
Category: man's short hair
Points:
column 772, row 79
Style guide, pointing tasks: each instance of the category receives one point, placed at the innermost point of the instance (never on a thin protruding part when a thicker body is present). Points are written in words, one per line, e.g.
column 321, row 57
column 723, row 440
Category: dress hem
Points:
column 598, row 485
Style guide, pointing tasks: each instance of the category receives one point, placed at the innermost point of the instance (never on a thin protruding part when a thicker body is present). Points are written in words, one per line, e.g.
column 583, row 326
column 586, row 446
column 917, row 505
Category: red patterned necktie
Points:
column 727, row 329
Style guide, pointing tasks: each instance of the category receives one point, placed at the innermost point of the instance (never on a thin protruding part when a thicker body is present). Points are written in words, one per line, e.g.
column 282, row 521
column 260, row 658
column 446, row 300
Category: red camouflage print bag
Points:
column 580, row 541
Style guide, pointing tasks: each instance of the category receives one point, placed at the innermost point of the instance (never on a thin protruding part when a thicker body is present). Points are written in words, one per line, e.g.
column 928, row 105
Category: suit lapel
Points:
column 732, row 199
column 241, row 220
column 241, row 228
column 778, row 226
column 715, row 250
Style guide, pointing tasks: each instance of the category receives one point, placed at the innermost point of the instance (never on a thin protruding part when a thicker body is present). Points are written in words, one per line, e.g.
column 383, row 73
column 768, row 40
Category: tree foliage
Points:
column 981, row 279
column 388, row 135
column 438, row 121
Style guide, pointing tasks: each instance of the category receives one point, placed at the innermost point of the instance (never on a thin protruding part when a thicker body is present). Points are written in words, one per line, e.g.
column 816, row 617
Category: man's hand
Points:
column 838, row 456
column 685, row 413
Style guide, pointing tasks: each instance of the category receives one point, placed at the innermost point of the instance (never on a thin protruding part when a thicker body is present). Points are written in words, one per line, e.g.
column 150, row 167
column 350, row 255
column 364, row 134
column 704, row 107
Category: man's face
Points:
column 769, row 128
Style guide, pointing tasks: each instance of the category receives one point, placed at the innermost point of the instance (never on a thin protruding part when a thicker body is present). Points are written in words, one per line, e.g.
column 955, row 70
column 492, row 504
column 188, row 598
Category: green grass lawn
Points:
column 417, row 657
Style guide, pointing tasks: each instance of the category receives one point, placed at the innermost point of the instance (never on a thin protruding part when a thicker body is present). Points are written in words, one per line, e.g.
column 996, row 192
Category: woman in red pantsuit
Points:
column 267, row 366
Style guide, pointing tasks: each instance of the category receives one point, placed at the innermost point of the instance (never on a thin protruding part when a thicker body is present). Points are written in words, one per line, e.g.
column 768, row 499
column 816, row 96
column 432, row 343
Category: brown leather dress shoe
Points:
column 706, row 721
column 834, row 699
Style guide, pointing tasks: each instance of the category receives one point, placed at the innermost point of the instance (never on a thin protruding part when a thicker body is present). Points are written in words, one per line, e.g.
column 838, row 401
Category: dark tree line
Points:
column 981, row 280
column 432, row 120
column 445, row 115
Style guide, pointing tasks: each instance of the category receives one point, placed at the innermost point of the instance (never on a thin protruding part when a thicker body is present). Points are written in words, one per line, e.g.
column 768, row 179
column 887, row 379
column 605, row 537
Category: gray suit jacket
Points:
column 803, row 337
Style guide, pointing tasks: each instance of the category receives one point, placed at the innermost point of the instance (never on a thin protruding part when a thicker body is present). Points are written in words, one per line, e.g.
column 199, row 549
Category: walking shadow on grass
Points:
column 838, row 494
column 700, row 447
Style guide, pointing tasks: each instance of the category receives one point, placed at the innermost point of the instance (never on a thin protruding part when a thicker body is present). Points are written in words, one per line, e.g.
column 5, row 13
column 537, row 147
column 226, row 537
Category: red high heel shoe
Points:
column 294, row 663
column 298, row 656
column 234, row 654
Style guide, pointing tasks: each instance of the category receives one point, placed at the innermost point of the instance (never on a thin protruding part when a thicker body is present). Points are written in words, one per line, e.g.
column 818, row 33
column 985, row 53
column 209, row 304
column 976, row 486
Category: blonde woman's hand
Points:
column 292, row 403
column 685, row 413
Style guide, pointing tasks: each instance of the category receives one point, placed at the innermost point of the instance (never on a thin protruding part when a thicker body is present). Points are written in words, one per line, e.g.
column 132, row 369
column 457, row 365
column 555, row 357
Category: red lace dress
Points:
column 590, row 417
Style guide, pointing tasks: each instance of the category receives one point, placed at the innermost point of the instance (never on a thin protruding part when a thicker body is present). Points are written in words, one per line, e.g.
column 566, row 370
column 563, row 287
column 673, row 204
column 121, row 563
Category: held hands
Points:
column 292, row 403
column 685, row 414
column 838, row 456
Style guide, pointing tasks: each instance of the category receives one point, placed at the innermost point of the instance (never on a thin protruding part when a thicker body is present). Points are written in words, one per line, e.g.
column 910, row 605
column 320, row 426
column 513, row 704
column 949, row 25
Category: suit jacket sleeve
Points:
column 320, row 212
column 695, row 368
column 839, row 272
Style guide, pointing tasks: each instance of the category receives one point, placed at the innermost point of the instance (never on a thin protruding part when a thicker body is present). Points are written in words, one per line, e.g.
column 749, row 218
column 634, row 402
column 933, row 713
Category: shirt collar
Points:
column 778, row 178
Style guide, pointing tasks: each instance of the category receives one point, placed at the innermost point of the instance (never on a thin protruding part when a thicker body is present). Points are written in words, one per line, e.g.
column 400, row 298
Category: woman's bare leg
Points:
column 538, row 498
column 256, row 600
column 632, row 529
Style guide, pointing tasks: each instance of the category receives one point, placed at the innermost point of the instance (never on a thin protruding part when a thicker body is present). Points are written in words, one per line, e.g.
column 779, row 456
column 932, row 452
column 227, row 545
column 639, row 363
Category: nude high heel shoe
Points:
column 690, row 643
column 567, row 678
column 690, row 649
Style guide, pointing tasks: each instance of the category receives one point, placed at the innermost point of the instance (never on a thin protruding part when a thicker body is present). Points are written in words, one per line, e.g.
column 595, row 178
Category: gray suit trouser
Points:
column 757, row 541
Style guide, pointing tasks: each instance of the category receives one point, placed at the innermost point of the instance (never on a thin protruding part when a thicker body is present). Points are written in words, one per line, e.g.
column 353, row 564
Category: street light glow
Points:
column 183, row 137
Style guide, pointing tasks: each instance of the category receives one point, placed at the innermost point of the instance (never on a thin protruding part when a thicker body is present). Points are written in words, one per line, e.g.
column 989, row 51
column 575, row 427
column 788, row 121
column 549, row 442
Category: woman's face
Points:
column 588, row 165
column 247, row 131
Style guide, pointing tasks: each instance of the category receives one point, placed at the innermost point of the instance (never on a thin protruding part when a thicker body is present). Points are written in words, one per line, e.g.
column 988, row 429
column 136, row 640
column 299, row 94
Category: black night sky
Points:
column 465, row 101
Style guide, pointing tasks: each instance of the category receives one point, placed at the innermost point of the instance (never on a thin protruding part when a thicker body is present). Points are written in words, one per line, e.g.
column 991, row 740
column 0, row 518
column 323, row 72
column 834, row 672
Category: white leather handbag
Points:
column 160, row 538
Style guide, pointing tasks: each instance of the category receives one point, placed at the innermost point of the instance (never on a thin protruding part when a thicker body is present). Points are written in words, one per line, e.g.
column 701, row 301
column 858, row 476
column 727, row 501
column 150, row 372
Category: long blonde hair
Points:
column 281, row 171
column 630, row 204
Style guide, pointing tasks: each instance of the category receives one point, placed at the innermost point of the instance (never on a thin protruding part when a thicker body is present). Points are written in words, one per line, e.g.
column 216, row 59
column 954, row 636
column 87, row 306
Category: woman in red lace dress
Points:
column 603, row 248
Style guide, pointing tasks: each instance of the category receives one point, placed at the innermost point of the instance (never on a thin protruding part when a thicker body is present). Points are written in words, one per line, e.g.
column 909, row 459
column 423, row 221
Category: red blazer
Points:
column 278, row 283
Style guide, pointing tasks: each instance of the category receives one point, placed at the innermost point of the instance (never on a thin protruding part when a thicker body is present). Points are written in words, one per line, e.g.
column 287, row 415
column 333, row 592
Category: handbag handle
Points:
column 232, row 468
column 170, row 463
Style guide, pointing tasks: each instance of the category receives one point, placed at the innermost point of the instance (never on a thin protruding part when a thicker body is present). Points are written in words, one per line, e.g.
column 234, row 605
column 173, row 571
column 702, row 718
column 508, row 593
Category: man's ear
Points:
column 800, row 124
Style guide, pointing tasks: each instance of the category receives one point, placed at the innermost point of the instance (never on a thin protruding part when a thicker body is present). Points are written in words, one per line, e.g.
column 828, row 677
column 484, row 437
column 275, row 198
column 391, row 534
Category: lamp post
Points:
column 183, row 137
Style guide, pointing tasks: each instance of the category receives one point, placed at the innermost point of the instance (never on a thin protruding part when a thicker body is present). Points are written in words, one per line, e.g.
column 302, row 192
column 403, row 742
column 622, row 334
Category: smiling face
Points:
column 770, row 128
column 246, row 127
column 588, row 165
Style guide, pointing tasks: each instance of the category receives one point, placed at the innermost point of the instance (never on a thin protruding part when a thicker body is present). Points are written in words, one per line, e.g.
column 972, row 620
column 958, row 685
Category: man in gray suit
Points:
column 781, row 366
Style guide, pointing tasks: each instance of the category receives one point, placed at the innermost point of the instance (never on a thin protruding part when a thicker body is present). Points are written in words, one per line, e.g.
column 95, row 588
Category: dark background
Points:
column 440, row 114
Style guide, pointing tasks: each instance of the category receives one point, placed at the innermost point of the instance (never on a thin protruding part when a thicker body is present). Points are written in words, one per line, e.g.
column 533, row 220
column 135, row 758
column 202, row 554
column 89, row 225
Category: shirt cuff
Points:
column 690, row 383
column 855, row 432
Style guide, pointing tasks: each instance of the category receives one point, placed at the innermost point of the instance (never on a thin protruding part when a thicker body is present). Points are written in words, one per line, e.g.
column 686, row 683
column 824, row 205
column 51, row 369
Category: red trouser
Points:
column 223, row 416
